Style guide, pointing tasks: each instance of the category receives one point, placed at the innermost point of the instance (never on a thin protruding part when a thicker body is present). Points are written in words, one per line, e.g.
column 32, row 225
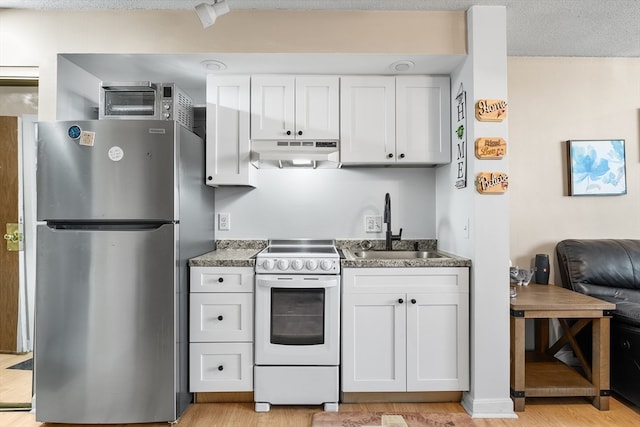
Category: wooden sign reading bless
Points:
column 491, row 110
column 492, row 182
column 491, row 148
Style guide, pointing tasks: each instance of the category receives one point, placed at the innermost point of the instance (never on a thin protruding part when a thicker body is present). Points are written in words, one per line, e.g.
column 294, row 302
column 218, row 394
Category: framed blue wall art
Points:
column 596, row 167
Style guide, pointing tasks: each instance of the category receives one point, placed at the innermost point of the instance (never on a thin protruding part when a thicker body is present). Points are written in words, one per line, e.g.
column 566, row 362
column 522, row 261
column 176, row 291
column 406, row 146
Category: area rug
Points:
column 27, row 365
column 390, row 419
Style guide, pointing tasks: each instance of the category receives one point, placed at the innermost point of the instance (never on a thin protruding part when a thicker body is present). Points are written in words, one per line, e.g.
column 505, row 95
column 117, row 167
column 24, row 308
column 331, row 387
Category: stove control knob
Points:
column 312, row 264
column 297, row 264
column 326, row 264
column 283, row 264
column 268, row 264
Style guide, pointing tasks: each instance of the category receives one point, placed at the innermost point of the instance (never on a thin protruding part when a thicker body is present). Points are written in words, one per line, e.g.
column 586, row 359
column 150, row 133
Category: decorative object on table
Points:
column 513, row 292
column 491, row 110
column 492, row 182
column 541, row 269
column 461, row 142
column 491, row 148
column 395, row 419
column 596, row 167
column 520, row 276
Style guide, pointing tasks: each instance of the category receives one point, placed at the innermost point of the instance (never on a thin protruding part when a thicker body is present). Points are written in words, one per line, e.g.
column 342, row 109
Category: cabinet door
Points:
column 220, row 317
column 367, row 125
column 272, row 107
column 422, row 119
column 221, row 279
column 228, row 147
column 437, row 342
column 317, row 107
column 220, row 367
column 373, row 342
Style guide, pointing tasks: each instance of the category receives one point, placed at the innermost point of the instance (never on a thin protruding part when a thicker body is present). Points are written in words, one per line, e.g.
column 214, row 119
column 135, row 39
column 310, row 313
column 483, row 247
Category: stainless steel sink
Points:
column 397, row 254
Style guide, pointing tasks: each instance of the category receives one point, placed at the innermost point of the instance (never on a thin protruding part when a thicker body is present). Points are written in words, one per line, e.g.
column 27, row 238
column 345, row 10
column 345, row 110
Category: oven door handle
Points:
column 297, row 283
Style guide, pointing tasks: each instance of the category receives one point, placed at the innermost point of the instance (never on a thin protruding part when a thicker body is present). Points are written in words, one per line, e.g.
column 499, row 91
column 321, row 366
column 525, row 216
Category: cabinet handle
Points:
column 220, row 279
column 402, row 155
column 390, row 155
column 299, row 132
column 288, row 132
column 220, row 368
column 209, row 178
column 413, row 301
column 400, row 301
column 220, row 317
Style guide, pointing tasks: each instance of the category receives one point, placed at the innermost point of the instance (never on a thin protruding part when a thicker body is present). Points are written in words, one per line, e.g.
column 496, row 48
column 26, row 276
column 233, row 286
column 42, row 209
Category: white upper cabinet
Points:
column 295, row 107
column 423, row 119
column 228, row 147
column 367, row 126
column 395, row 120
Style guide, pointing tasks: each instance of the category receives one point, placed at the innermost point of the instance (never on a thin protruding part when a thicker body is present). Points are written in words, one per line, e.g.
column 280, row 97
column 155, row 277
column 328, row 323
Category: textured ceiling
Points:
column 590, row 28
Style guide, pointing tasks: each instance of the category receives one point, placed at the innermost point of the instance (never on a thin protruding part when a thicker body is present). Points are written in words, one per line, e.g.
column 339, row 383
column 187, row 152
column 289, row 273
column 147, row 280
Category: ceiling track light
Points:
column 208, row 13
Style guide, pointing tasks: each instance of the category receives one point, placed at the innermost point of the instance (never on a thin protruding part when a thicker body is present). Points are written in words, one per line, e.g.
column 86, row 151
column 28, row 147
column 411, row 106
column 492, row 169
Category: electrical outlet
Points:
column 224, row 221
column 372, row 223
column 465, row 228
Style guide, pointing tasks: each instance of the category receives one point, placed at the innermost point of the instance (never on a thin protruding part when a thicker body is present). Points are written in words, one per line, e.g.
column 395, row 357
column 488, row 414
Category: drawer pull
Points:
column 220, row 368
column 220, row 279
column 220, row 317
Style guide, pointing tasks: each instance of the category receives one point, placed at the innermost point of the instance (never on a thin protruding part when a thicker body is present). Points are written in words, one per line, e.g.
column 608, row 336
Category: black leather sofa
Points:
column 609, row 269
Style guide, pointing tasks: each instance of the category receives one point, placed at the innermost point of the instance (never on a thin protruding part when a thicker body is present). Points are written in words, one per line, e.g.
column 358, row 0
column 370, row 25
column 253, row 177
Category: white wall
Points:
column 552, row 100
column 329, row 203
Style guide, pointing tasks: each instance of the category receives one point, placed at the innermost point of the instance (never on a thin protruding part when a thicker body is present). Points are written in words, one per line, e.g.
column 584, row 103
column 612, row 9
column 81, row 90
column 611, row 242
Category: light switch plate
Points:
column 372, row 223
column 224, row 221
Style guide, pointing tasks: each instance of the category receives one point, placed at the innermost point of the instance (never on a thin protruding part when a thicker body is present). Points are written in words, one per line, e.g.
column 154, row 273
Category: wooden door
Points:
column 317, row 107
column 9, row 270
column 272, row 107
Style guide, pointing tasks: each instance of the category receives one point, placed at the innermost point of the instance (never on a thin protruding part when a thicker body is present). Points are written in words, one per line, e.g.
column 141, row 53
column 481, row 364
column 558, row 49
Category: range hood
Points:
column 295, row 154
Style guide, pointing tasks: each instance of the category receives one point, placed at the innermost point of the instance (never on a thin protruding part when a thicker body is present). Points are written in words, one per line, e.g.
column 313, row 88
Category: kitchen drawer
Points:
column 221, row 317
column 410, row 279
column 222, row 279
column 220, row 367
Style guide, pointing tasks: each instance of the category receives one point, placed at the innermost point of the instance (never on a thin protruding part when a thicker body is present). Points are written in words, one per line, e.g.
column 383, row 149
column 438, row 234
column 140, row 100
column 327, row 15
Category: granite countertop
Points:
column 241, row 253
column 230, row 253
column 350, row 246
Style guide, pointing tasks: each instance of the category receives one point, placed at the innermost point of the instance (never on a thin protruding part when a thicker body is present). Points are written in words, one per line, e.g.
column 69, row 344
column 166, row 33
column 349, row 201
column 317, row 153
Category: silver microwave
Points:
column 145, row 100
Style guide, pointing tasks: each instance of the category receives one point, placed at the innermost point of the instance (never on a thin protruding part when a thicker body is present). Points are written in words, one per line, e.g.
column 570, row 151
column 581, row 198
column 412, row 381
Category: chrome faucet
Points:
column 389, row 236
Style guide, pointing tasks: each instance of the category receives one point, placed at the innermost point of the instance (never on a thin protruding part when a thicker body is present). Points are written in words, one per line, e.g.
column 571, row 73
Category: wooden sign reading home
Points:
column 491, row 110
column 492, row 182
column 491, row 148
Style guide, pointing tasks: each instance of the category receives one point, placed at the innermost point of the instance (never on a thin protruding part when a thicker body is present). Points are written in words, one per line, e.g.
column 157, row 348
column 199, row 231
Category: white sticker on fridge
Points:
column 115, row 153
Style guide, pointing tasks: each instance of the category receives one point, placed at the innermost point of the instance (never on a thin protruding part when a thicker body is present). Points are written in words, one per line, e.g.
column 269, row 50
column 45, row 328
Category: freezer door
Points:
column 113, row 170
column 105, row 349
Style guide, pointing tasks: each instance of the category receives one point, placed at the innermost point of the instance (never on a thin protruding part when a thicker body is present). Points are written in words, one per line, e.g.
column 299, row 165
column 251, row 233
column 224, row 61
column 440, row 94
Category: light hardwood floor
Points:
column 542, row 412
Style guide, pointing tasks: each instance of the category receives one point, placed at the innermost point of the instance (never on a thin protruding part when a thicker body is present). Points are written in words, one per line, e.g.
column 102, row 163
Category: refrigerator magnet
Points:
column 87, row 138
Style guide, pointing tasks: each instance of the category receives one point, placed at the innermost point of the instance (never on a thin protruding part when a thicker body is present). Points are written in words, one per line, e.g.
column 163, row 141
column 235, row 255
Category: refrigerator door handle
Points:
column 106, row 226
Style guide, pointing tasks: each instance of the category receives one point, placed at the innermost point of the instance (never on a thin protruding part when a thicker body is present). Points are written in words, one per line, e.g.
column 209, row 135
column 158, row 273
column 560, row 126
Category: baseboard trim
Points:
column 400, row 397
column 488, row 408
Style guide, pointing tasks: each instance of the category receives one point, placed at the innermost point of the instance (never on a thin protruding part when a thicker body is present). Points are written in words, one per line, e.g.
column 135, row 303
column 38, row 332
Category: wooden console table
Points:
column 538, row 373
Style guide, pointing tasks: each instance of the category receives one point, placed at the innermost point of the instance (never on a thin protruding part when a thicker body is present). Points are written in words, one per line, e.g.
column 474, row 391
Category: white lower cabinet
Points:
column 405, row 329
column 221, row 329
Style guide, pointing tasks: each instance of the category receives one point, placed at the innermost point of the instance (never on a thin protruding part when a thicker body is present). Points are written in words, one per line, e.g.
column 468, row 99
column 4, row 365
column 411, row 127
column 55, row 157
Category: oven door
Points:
column 297, row 320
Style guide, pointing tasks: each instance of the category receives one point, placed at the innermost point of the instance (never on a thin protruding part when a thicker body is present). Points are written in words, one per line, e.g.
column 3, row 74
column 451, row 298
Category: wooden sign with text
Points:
column 491, row 148
column 491, row 110
column 492, row 182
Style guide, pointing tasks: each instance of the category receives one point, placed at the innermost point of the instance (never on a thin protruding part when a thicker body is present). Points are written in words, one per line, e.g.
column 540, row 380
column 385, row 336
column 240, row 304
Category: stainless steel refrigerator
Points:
column 121, row 206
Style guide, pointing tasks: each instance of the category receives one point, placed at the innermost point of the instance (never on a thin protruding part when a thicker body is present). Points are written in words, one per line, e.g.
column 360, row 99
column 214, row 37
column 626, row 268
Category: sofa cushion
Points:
column 604, row 262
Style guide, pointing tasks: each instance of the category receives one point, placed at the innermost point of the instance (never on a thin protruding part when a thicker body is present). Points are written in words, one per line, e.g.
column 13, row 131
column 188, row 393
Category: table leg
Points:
column 541, row 328
column 517, row 362
column 600, row 364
